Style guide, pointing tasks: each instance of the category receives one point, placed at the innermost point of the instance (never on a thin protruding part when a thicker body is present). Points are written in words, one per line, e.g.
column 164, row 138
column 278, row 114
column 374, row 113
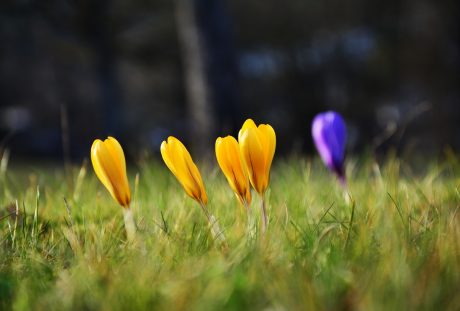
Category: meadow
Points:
column 391, row 243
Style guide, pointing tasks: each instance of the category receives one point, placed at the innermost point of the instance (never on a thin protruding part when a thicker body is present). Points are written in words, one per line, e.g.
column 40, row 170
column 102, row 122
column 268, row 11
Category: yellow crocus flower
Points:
column 178, row 160
column 110, row 167
column 229, row 158
column 257, row 145
column 180, row 163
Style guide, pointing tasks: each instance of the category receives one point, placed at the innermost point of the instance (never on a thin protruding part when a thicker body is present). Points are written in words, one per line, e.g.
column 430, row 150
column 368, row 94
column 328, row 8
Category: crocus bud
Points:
column 229, row 158
column 180, row 163
column 110, row 167
column 257, row 145
column 329, row 134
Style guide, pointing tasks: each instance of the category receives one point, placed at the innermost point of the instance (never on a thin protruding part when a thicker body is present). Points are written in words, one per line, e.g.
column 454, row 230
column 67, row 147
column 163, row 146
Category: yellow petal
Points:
column 221, row 155
column 249, row 123
column 166, row 157
column 268, row 138
column 114, row 148
column 187, row 171
column 117, row 152
column 224, row 160
column 196, row 176
column 111, row 167
column 253, row 157
column 98, row 169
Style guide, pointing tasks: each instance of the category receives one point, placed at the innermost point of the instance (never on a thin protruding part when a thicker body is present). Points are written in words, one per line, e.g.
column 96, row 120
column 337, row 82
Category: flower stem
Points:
column 345, row 189
column 130, row 226
column 343, row 182
column 264, row 215
column 217, row 233
column 249, row 221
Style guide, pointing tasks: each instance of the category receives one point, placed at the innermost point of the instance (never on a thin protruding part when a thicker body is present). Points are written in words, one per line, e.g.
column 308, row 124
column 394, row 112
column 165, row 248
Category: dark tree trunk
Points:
column 210, row 71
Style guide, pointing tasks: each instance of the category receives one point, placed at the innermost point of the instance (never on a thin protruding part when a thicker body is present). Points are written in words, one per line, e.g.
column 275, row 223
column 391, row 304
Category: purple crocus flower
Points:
column 330, row 134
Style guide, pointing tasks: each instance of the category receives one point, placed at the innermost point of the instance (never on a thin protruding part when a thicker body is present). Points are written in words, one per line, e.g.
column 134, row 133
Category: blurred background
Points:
column 74, row 70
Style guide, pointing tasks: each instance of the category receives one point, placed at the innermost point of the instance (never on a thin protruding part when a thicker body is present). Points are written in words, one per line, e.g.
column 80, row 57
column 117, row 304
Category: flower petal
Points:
column 98, row 169
column 249, row 123
column 253, row 157
column 118, row 156
column 269, row 145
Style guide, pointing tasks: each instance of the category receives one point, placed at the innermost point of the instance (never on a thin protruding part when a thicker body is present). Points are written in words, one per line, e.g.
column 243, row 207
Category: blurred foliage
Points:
column 390, row 67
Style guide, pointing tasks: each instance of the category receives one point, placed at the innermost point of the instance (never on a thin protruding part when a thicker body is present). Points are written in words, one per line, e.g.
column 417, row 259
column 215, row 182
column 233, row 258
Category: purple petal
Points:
column 329, row 134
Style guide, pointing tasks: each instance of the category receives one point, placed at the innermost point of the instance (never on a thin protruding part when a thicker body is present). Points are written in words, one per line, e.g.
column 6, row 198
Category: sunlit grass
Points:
column 399, row 251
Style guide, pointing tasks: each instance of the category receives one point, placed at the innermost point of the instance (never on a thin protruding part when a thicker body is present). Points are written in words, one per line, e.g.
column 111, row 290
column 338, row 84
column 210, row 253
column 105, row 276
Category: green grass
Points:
column 394, row 246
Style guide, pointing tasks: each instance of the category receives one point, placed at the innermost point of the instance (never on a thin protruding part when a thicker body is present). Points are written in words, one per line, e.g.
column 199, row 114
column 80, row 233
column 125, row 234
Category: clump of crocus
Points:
column 329, row 134
column 109, row 165
column 257, row 146
column 180, row 163
column 229, row 159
